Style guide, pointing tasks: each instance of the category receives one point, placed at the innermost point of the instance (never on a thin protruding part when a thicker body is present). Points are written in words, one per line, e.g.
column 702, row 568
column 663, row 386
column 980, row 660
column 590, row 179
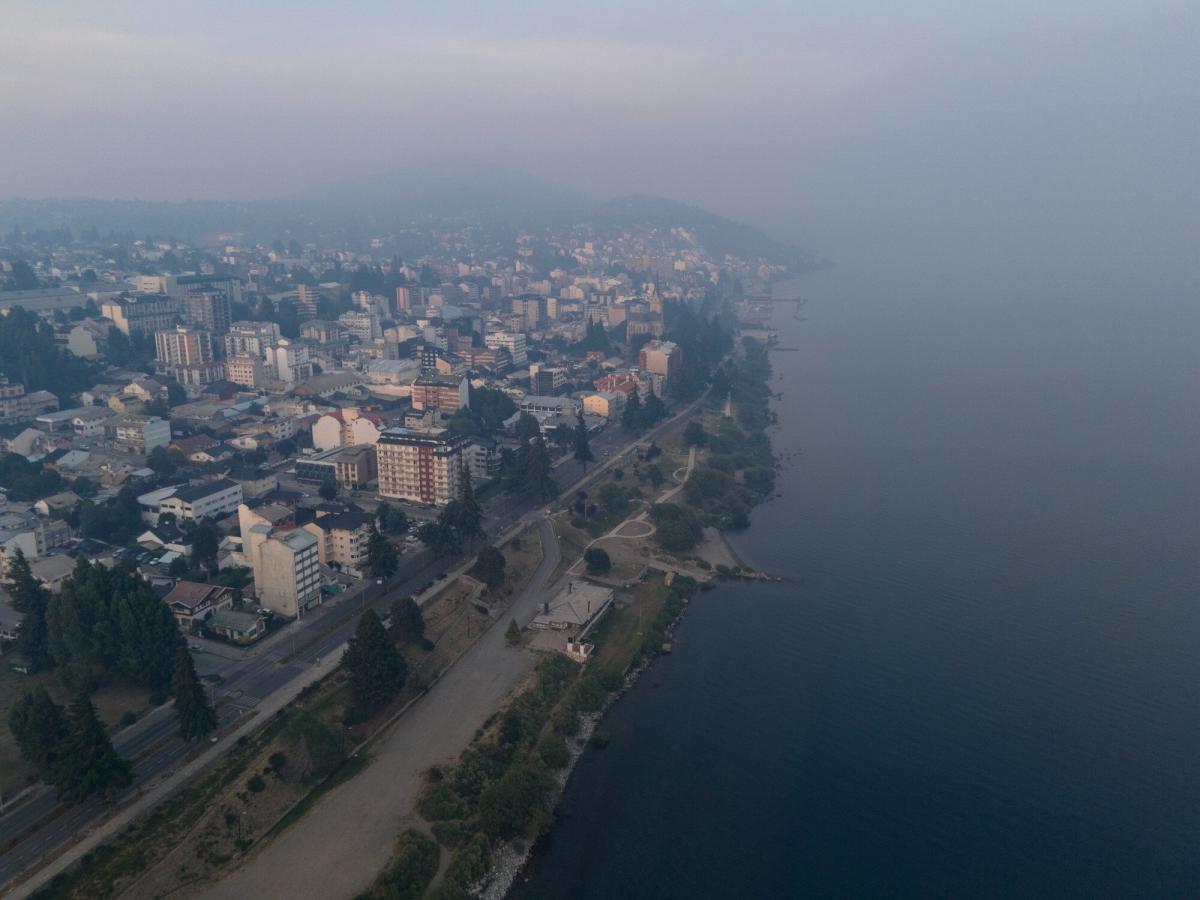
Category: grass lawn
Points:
column 619, row 634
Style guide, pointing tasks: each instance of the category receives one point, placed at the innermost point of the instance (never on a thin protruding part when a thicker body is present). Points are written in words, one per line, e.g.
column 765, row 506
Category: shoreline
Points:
column 510, row 862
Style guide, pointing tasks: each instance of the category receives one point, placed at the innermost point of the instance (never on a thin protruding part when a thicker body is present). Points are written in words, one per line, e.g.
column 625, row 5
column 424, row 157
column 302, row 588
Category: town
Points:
column 240, row 448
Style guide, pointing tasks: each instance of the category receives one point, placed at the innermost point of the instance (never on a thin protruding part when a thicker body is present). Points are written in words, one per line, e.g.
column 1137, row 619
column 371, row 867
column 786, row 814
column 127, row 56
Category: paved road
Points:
column 339, row 846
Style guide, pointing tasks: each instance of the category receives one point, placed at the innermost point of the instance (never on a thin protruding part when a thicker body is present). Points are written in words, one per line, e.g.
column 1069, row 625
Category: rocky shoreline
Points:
column 512, row 858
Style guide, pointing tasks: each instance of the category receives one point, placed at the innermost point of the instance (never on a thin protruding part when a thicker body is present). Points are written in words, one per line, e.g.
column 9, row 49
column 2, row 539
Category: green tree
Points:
column 527, row 428
column 160, row 461
column 205, row 544
column 631, row 416
column 653, row 410
column 377, row 670
column 532, row 476
column 328, row 489
column 614, row 499
column 583, row 450
column 392, row 519
column 195, row 713
column 489, row 567
column 30, row 599
column 695, row 435
column 39, row 725
column 86, row 763
column 440, row 537
column 464, row 514
column 512, row 634
column 408, row 624
column 382, row 559
column 654, row 474
column 597, row 560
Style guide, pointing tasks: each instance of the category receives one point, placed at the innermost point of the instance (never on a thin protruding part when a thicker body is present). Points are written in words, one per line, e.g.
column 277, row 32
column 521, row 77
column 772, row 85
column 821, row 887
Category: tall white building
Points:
column 291, row 361
column 286, row 564
column 513, row 342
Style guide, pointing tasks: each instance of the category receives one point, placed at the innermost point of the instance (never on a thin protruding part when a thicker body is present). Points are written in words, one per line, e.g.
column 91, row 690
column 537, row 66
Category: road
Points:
column 42, row 825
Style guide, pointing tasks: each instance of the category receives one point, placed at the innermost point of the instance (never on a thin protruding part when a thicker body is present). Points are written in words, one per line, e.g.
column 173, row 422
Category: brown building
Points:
column 421, row 465
column 437, row 392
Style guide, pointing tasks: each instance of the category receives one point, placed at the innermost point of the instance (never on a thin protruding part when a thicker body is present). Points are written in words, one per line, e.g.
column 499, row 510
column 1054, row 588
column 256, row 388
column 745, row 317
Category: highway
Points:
column 243, row 679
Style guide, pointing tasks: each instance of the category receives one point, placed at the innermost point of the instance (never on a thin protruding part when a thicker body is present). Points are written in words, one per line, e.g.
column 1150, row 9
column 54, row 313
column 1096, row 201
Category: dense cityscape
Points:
column 217, row 457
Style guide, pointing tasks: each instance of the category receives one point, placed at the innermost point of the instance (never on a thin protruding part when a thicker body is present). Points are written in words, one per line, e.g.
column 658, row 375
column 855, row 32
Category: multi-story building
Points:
column 178, row 286
column 246, row 370
column 440, row 393
column 404, row 299
column 208, row 309
column 143, row 433
column 607, row 404
column 546, row 379
column 14, row 405
column 183, row 346
column 291, row 361
column 345, row 427
column 251, row 339
column 307, row 300
column 420, row 465
column 34, row 536
column 148, row 313
column 199, row 374
column 513, row 342
column 199, row 501
column 286, row 564
column 660, row 360
column 554, row 406
column 342, row 539
column 362, row 325
column 355, row 467
column 321, row 331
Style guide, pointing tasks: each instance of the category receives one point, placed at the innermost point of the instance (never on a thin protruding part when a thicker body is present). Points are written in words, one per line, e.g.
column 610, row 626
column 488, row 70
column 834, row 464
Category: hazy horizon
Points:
column 1057, row 143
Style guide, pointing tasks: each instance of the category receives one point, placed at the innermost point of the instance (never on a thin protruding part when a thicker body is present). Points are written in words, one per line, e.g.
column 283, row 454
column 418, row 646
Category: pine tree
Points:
column 382, row 559
column 31, row 599
column 205, row 544
column 583, row 450
column 537, row 480
column 39, row 726
column 407, row 622
column 512, row 634
column 196, row 715
column 464, row 514
column 377, row 670
column 653, row 411
column 631, row 416
column 489, row 567
column 86, row 763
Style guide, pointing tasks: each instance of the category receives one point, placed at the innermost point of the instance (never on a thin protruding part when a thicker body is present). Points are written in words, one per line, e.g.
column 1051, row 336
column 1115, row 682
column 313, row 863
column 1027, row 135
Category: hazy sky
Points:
column 1061, row 130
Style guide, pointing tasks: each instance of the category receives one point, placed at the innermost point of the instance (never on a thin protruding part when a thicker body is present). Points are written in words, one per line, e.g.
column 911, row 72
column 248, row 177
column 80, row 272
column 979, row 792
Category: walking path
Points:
column 347, row 838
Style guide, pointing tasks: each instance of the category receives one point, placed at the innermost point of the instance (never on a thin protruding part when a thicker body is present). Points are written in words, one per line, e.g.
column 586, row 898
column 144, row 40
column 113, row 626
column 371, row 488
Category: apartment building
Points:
column 422, row 465
column 207, row 309
column 345, row 427
column 291, row 360
column 183, row 346
column 342, row 539
column 143, row 433
column 441, row 393
column 14, row 405
column 608, row 404
column 148, row 313
column 246, row 370
column 251, row 339
column 513, row 342
column 286, row 564
column 199, row 501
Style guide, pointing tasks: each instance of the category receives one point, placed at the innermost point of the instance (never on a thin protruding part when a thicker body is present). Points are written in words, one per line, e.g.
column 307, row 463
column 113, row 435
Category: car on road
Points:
column 195, row 647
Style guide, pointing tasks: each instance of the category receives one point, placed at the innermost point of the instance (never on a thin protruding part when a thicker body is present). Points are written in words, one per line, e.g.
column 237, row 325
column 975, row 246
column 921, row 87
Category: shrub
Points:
column 256, row 784
column 599, row 739
column 597, row 560
column 553, row 751
column 277, row 762
column 450, row 833
column 469, row 865
column 516, row 804
column 127, row 719
column 441, row 804
column 413, row 867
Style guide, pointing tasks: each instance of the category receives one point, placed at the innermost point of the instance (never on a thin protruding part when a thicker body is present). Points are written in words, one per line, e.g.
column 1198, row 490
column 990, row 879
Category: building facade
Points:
column 420, row 465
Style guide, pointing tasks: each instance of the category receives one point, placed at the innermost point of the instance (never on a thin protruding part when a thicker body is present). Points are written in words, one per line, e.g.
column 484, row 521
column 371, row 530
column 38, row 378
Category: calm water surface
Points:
column 983, row 679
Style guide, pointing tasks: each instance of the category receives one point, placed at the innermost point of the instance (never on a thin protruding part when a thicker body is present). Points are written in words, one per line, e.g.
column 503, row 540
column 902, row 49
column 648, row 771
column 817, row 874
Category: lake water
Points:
column 984, row 677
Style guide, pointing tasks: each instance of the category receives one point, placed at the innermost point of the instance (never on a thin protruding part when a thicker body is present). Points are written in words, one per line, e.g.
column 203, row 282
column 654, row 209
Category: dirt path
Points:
column 342, row 843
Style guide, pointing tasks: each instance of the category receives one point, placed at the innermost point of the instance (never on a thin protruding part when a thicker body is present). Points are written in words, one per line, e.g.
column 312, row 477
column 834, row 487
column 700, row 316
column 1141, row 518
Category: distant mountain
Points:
column 451, row 190
column 445, row 192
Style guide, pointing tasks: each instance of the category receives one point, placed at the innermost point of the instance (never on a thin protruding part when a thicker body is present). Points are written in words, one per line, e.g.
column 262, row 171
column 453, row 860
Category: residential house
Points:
column 192, row 602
